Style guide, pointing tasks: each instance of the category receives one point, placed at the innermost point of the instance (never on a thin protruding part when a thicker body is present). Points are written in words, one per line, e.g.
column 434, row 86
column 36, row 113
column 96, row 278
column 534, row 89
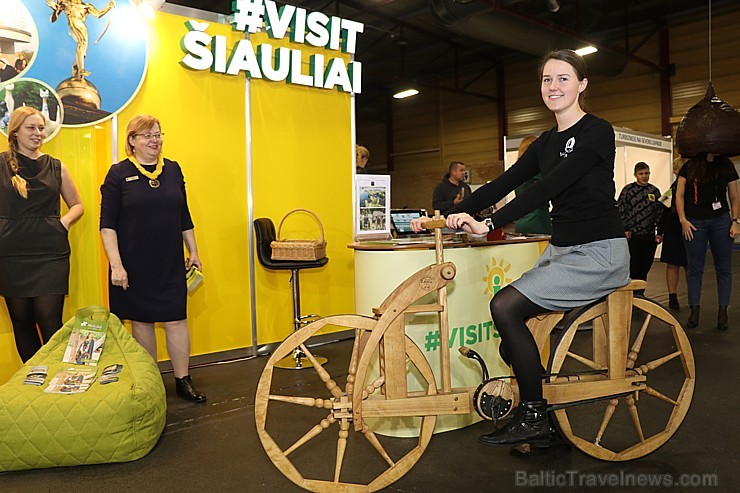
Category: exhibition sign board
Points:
column 263, row 60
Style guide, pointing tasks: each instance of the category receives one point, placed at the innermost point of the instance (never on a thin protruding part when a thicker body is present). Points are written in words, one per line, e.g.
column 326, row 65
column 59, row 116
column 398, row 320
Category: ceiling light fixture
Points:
column 586, row 50
column 406, row 93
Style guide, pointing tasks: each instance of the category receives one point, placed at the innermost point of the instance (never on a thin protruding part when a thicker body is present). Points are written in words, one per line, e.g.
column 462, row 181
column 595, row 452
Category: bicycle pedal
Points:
column 493, row 399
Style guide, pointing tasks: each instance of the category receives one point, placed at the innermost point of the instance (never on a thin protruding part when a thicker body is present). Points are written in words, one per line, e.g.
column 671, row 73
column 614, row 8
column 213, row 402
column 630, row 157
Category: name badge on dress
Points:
column 132, row 178
column 716, row 206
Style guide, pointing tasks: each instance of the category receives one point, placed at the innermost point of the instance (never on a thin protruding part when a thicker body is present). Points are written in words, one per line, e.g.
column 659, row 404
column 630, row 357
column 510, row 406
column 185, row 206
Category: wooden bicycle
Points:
column 623, row 349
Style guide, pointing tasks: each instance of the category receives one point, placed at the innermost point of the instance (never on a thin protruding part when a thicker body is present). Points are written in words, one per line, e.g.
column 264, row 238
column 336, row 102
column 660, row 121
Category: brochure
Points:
column 71, row 381
column 86, row 342
column 37, row 375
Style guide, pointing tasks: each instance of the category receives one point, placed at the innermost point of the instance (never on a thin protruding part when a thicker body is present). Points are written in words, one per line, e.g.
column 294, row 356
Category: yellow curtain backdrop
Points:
column 302, row 157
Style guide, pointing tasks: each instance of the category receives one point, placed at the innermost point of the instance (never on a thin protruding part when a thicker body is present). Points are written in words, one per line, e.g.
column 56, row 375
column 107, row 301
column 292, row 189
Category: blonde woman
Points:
column 144, row 220
column 34, row 249
column 362, row 155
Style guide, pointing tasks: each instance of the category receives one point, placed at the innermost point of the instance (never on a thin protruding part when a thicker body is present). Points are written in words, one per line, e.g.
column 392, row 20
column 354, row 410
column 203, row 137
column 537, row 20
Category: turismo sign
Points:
column 204, row 51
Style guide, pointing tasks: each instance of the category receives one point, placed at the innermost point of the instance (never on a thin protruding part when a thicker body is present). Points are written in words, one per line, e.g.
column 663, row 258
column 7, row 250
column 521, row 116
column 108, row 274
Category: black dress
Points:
column 674, row 251
column 149, row 223
column 34, row 249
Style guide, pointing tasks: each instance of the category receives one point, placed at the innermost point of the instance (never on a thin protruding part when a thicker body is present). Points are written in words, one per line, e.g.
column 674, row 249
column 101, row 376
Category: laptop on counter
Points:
column 401, row 222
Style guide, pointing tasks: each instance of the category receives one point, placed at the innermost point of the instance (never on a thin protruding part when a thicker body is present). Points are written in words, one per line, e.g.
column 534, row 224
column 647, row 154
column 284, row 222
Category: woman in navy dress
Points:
column 34, row 249
column 144, row 220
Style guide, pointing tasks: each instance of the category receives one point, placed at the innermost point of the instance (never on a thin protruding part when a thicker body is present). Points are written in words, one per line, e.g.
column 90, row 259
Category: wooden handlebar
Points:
column 435, row 224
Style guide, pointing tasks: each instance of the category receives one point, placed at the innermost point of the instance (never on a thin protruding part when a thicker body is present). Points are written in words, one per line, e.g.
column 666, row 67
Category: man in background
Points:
column 452, row 189
column 641, row 212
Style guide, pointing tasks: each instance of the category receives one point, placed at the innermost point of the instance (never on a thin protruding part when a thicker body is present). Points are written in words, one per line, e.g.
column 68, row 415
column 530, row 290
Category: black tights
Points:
column 28, row 313
column 510, row 309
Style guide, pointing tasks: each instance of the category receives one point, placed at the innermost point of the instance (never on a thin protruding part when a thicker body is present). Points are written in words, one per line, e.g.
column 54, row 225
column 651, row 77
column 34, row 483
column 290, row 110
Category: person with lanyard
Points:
column 34, row 244
column 144, row 220
column 707, row 221
column 587, row 257
column 641, row 212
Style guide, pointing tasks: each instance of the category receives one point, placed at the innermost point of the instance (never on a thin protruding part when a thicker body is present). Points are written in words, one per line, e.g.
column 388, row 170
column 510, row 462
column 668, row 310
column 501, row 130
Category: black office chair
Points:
column 264, row 230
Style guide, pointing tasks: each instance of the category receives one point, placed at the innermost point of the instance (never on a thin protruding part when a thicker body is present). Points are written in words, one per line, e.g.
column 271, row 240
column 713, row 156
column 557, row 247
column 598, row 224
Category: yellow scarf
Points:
column 153, row 175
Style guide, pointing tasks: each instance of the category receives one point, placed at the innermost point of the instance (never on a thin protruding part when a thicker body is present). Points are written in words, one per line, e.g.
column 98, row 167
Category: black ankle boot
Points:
column 529, row 425
column 693, row 317
column 673, row 301
column 185, row 390
column 722, row 318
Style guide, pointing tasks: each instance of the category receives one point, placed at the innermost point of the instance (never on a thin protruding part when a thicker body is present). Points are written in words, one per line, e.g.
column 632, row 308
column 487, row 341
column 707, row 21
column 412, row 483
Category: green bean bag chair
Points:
column 116, row 422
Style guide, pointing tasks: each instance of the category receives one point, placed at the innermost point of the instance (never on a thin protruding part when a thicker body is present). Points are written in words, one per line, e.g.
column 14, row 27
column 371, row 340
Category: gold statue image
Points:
column 77, row 11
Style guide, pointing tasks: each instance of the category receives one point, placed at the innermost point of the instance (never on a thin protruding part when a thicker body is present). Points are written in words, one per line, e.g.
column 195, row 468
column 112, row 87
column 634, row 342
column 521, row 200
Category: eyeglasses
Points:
column 151, row 136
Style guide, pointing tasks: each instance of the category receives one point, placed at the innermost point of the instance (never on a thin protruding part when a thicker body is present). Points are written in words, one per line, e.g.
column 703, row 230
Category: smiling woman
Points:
column 144, row 220
column 587, row 257
column 34, row 250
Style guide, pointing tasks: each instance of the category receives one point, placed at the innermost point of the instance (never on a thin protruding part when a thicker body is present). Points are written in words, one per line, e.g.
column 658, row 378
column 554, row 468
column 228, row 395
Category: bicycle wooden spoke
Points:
column 635, row 417
column 370, row 436
column 370, row 389
column 652, row 365
column 357, row 347
column 658, row 395
column 637, row 345
column 302, row 401
column 323, row 374
column 341, row 448
column 607, row 417
column 659, row 363
column 590, row 363
column 312, row 433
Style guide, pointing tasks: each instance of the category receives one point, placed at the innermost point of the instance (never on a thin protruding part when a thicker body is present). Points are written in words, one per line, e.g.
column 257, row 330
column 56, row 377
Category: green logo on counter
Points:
column 495, row 277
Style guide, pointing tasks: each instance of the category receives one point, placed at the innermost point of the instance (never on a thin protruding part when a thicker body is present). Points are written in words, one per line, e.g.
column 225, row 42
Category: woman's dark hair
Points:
column 574, row 60
column 702, row 170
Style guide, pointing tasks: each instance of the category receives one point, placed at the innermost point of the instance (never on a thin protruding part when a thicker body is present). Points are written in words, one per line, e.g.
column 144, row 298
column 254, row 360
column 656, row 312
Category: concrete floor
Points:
column 214, row 447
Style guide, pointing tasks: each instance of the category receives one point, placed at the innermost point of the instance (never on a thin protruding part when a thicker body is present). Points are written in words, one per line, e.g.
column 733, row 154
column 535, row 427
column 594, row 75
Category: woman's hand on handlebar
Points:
column 465, row 222
column 417, row 224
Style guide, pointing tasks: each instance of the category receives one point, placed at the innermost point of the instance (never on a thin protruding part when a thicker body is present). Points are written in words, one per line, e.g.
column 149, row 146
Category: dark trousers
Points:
column 715, row 234
column 642, row 253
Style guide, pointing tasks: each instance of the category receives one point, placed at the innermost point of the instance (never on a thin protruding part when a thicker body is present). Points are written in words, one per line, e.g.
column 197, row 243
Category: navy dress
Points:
column 34, row 249
column 149, row 223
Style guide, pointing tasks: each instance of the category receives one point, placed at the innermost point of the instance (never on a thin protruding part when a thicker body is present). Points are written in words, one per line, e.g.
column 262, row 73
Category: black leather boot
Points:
column 693, row 317
column 529, row 424
column 673, row 301
column 722, row 318
column 185, row 390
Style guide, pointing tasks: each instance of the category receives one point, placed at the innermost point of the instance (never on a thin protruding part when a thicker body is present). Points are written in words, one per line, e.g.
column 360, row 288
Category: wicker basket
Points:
column 299, row 249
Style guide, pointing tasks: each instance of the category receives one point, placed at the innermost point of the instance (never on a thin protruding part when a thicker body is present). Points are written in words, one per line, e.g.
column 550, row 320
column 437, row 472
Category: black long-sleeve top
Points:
column 577, row 167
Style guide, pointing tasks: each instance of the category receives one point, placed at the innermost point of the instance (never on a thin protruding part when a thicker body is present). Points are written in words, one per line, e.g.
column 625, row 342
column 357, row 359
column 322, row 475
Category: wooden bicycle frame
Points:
column 610, row 351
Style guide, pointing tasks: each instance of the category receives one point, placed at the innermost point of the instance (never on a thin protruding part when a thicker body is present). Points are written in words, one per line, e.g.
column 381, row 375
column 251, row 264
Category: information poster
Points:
column 373, row 208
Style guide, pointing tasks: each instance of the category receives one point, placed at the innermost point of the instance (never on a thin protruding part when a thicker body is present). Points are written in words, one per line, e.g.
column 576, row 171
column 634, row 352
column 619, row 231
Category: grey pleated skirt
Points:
column 573, row 276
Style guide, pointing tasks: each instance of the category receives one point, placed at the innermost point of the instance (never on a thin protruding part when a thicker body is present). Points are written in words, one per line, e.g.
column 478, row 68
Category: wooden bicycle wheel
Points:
column 625, row 427
column 295, row 421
